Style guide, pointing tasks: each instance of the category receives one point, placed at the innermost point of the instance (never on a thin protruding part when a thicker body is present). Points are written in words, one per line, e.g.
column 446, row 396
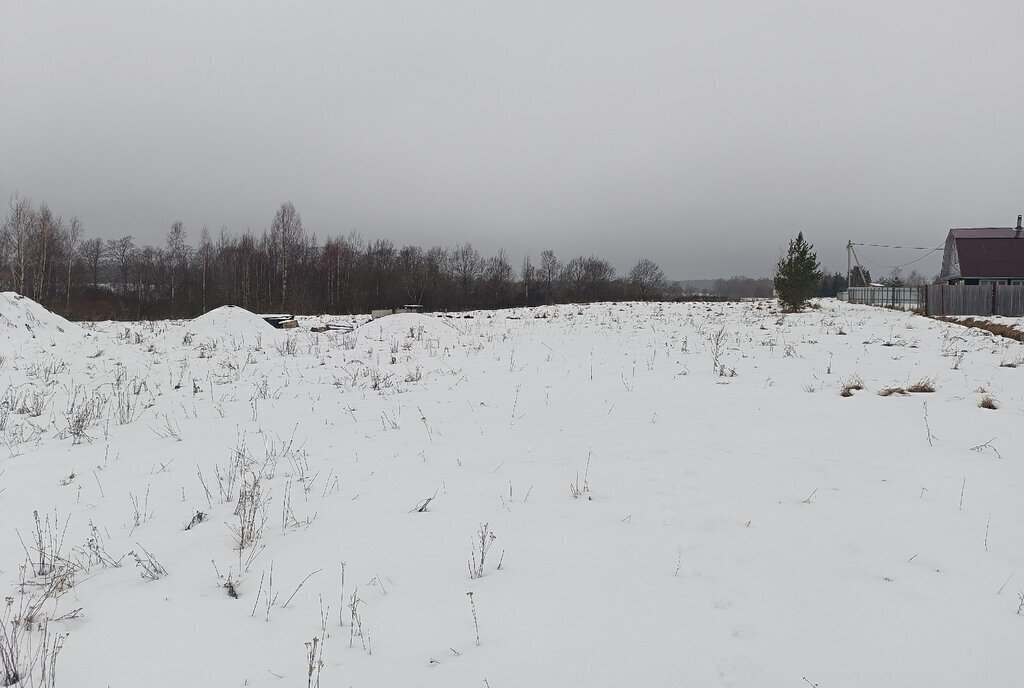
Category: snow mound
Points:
column 410, row 326
column 231, row 326
column 25, row 322
column 228, row 320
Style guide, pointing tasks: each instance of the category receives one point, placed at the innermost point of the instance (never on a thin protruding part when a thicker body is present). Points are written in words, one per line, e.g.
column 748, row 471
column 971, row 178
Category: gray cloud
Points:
column 702, row 135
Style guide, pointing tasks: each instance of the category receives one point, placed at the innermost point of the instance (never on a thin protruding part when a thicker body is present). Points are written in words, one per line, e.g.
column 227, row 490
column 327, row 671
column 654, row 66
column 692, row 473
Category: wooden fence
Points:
column 941, row 299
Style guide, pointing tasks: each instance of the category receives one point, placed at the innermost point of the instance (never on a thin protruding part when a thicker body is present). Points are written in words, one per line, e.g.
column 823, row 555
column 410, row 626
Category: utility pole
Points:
column 849, row 263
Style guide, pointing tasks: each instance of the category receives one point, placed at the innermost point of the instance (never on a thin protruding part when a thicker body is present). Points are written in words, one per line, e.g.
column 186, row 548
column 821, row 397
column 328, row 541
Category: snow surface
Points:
column 656, row 522
column 26, row 327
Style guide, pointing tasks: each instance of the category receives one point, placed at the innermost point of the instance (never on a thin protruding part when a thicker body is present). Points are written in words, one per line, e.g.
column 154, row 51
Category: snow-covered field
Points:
column 668, row 495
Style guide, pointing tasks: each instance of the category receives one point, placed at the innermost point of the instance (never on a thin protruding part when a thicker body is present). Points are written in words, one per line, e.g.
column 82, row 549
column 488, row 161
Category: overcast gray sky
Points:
column 703, row 135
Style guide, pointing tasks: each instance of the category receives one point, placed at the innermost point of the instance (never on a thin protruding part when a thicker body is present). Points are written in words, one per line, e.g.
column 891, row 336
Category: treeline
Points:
column 741, row 287
column 285, row 269
column 829, row 285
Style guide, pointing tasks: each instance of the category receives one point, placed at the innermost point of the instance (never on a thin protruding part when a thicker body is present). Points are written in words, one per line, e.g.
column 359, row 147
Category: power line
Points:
column 901, row 265
column 909, row 248
column 890, row 246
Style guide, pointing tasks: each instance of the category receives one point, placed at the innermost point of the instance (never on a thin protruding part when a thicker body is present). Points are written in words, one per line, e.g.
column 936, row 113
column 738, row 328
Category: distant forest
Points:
column 284, row 269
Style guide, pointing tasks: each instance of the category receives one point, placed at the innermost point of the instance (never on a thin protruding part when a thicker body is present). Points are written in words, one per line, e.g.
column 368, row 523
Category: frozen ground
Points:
column 678, row 495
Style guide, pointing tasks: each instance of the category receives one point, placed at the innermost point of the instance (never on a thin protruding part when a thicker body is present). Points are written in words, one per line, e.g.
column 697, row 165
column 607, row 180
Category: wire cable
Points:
column 907, row 248
column 901, row 265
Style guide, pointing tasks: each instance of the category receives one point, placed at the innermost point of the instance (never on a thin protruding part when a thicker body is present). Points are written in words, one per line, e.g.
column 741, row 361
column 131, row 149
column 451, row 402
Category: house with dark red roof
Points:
column 985, row 255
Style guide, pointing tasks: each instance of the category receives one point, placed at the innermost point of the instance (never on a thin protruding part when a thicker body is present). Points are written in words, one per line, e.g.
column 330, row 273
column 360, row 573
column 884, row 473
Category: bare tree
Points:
column 598, row 277
column 527, row 276
column 246, row 265
column 916, row 279
column 436, row 268
column 73, row 235
column 412, row 273
column 498, row 276
column 338, row 260
column 467, row 266
column 550, row 270
column 143, row 269
column 286, row 231
column 204, row 255
column 895, row 278
column 588, row 279
column 175, row 251
column 92, row 254
column 122, row 252
column 647, row 279
column 17, row 229
column 574, row 277
column 379, row 261
column 46, row 230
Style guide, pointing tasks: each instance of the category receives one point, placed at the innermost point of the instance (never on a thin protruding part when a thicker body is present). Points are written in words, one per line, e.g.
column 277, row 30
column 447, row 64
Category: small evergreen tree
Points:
column 830, row 285
column 797, row 274
column 860, row 277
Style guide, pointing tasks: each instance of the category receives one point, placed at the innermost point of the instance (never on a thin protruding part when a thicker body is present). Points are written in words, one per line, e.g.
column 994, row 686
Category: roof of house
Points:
column 989, row 252
column 984, row 233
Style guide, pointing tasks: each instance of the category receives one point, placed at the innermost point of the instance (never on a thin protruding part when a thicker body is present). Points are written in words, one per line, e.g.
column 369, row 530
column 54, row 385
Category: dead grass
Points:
column 850, row 386
column 988, row 402
column 922, row 386
column 994, row 328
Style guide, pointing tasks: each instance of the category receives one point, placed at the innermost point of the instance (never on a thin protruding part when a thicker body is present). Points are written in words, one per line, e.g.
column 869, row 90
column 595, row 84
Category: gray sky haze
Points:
column 703, row 135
